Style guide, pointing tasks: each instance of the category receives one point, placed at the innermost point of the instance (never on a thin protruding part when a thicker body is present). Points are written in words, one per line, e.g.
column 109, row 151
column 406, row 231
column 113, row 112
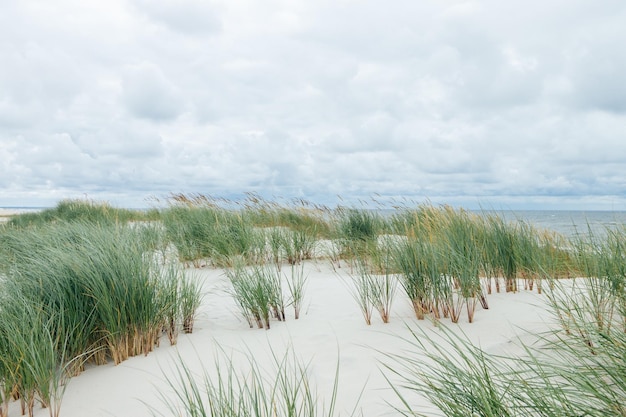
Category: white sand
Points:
column 330, row 324
column 7, row 213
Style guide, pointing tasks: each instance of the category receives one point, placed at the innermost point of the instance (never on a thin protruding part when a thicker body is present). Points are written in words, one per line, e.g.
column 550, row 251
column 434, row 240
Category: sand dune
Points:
column 330, row 329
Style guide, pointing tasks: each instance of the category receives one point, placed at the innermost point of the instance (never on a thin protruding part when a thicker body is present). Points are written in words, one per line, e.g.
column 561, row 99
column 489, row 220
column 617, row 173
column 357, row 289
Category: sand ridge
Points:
column 330, row 329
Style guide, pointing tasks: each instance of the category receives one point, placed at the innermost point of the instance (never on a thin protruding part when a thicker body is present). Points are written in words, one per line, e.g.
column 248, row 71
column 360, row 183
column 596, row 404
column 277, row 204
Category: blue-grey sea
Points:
column 569, row 222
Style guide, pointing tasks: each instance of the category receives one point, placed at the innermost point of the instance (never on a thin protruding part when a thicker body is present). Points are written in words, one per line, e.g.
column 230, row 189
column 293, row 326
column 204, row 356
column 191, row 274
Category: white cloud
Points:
column 149, row 94
column 192, row 17
column 462, row 101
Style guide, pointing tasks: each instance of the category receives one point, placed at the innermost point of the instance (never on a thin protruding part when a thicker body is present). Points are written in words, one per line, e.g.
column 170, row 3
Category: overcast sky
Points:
column 506, row 104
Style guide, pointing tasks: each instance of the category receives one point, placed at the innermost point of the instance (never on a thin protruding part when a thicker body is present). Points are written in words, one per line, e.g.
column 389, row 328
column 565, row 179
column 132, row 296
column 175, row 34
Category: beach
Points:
column 397, row 315
column 331, row 332
column 7, row 212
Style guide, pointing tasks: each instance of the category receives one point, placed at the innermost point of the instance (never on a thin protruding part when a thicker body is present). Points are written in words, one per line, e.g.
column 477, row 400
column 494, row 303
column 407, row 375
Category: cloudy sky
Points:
column 508, row 104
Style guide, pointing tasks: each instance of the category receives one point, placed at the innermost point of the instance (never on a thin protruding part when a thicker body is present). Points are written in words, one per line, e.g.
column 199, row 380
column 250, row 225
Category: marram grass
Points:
column 78, row 291
column 258, row 290
column 578, row 369
column 212, row 233
column 230, row 387
column 373, row 291
column 82, row 285
column 78, row 210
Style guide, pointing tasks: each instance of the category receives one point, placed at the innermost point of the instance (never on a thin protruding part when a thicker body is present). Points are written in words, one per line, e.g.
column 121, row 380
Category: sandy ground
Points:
column 331, row 328
column 6, row 213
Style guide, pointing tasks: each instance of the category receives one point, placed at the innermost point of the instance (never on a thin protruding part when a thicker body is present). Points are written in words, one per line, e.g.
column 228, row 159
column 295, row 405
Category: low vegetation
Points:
column 86, row 282
column 81, row 291
column 577, row 369
column 83, row 210
column 233, row 389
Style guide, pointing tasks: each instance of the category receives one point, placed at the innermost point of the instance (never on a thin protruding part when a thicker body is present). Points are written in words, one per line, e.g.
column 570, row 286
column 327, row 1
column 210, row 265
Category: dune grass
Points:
column 575, row 370
column 601, row 299
column 81, row 282
column 297, row 215
column 449, row 259
column 204, row 229
column 233, row 388
column 296, row 285
column 180, row 297
column 468, row 251
column 78, row 291
column 356, row 230
column 440, row 263
column 202, row 233
column 258, row 291
column 263, row 292
column 290, row 246
column 360, row 287
column 372, row 291
column 85, row 211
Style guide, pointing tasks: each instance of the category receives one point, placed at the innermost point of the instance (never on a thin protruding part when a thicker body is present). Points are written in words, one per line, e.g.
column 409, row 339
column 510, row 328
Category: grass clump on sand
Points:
column 356, row 231
column 203, row 228
column 93, row 292
column 297, row 215
column 574, row 371
column 32, row 362
column 243, row 388
column 440, row 262
column 291, row 246
column 296, row 284
column 262, row 292
column 85, row 211
column 602, row 298
column 449, row 259
column 374, row 284
column 208, row 232
column 577, row 368
column 258, row 291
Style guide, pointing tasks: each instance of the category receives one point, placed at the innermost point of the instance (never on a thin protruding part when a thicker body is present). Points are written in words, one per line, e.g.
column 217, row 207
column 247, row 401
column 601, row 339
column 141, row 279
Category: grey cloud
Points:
column 34, row 72
column 44, row 161
column 126, row 142
column 34, row 83
column 190, row 17
column 597, row 78
column 457, row 100
column 14, row 116
column 149, row 94
column 57, row 161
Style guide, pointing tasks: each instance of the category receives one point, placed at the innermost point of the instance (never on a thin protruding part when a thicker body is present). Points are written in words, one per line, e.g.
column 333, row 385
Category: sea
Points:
column 569, row 223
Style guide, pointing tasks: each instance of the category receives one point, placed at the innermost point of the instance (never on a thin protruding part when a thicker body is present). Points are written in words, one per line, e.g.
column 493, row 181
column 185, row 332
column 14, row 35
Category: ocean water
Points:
column 569, row 223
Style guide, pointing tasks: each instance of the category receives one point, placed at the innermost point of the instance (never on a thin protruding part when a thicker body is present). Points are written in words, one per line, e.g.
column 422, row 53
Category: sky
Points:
column 487, row 103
